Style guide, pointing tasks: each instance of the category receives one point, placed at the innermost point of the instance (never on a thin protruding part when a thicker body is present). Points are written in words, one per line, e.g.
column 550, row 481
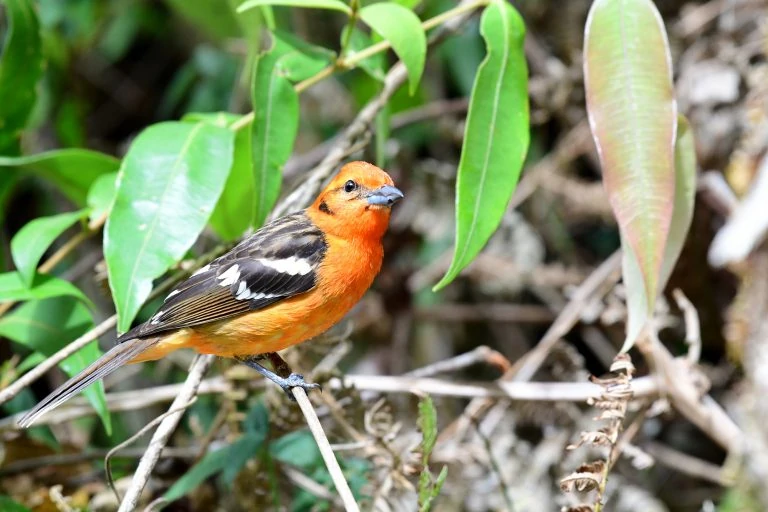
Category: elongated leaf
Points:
column 685, row 195
column 21, row 66
column 235, row 212
column 167, row 188
column 402, row 28
column 427, row 425
column 46, row 326
column 13, row 288
column 496, row 136
column 31, row 242
column 229, row 459
column 633, row 115
column 335, row 5
column 101, row 195
column 72, row 170
column 276, row 122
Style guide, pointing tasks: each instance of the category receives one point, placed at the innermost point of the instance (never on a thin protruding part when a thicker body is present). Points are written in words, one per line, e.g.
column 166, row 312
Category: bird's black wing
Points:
column 279, row 261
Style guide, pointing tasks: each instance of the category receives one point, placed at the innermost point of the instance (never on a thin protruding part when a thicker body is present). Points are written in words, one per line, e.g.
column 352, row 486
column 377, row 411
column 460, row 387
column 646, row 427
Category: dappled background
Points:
column 114, row 67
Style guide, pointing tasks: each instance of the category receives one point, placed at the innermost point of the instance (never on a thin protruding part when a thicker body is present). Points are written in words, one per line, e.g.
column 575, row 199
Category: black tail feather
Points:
column 103, row 366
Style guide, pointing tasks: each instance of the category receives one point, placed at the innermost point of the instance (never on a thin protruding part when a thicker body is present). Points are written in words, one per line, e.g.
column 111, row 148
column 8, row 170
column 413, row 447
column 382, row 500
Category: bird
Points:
column 289, row 281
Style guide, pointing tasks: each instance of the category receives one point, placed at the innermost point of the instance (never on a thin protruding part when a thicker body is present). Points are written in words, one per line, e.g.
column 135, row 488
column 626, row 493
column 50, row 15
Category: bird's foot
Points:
column 296, row 380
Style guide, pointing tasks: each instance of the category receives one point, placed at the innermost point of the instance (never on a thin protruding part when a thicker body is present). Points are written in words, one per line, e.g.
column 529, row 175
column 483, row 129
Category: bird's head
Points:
column 357, row 202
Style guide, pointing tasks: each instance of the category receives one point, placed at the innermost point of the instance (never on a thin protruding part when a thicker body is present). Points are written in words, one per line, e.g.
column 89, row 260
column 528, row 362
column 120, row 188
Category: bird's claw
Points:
column 296, row 380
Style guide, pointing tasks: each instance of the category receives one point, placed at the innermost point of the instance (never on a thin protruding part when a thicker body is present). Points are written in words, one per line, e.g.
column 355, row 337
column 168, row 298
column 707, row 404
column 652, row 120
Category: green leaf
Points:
column 21, row 66
column 101, row 195
column 45, row 326
column 495, row 138
column 210, row 16
column 303, row 60
column 298, row 449
column 335, row 5
column 428, row 425
column 685, row 195
column 167, row 188
column 358, row 41
column 230, row 460
column 13, row 288
column 72, row 170
column 32, row 240
column 402, row 28
column 276, row 122
column 7, row 504
column 633, row 115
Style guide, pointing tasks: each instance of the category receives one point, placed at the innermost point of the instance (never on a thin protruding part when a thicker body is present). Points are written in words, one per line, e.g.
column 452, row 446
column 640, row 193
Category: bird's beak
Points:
column 384, row 196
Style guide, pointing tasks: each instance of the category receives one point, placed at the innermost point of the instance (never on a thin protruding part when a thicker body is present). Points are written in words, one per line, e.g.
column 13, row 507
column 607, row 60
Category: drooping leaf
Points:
column 276, row 122
column 45, row 326
column 101, row 195
column 335, row 5
column 402, row 28
column 13, row 288
column 229, row 460
column 495, row 138
column 633, row 115
column 72, row 170
column 685, row 195
column 21, row 65
column 167, row 188
column 32, row 240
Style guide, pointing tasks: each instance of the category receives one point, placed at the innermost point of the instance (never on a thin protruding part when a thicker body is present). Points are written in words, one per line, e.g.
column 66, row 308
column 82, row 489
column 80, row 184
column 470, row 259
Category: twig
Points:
column 325, row 450
column 146, row 428
column 481, row 354
column 692, row 325
column 530, row 391
column 199, row 366
column 687, row 464
column 495, row 466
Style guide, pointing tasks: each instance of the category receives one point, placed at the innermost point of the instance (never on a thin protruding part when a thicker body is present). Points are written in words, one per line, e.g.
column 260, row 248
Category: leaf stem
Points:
column 344, row 63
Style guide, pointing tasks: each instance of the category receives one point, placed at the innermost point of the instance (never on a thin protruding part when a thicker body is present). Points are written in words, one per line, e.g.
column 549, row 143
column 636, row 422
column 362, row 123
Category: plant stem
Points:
column 343, row 63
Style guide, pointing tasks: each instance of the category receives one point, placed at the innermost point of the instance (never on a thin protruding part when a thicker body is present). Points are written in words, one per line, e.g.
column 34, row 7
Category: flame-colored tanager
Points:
column 291, row 280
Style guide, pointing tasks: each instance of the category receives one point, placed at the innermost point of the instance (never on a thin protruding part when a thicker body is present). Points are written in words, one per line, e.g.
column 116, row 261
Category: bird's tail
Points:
column 118, row 356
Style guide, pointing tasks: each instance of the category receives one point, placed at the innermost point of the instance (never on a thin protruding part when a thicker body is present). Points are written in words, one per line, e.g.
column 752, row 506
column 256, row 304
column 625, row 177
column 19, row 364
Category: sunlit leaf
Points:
column 31, row 241
column 359, row 40
column 276, row 122
column 167, row 188
column 72, row 170
column 402, row 28
column 13, row 288
column 335, row 5
column 633, row 115
column 45, row 326
column 21, row 65
column 495, row 138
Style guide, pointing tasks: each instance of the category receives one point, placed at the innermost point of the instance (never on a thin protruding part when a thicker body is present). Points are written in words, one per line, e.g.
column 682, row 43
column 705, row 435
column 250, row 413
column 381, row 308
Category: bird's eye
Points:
column 350, row 186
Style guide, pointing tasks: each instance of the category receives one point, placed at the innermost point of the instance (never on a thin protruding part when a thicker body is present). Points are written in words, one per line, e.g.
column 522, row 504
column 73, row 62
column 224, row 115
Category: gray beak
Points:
column 384, row 196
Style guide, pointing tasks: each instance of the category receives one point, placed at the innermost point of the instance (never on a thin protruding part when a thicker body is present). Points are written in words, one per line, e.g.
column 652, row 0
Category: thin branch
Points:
column 350, row 505
column 188, row 391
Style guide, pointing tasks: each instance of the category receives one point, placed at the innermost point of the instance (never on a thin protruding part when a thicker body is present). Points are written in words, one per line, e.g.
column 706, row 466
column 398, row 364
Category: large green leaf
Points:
column 21, row 66
column 276, row 121
column 228, row 460
column 235, row 212
column 101, row 195
column 46, row 326
column 335, row 5
column 402, row 28
column 72, row 170
column 13, row 288
column 495, row 138
column 633, row 115
column 167, row 188
column 32, row 240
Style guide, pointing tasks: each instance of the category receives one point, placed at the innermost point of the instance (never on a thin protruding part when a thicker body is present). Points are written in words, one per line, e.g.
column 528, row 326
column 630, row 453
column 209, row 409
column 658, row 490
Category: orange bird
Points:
column 288, row 282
